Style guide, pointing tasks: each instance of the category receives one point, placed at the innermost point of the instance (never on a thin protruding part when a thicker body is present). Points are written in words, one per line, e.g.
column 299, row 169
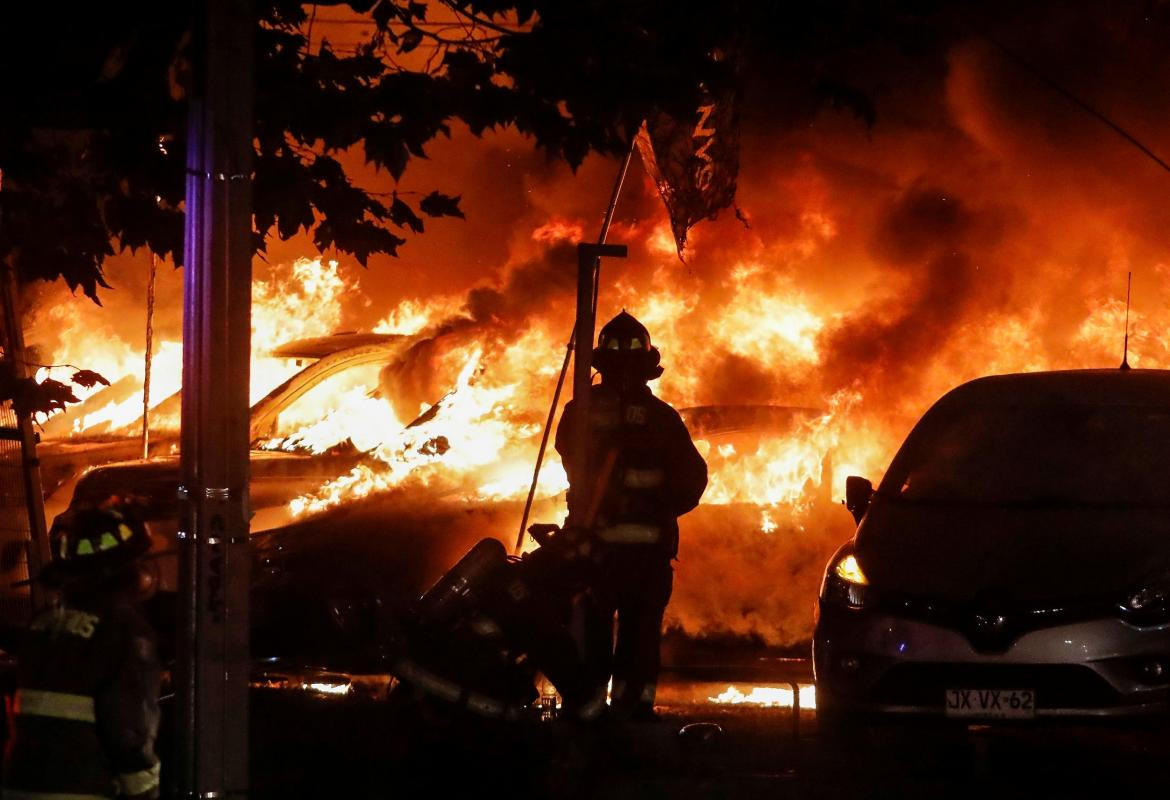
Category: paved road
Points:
column 319, row 748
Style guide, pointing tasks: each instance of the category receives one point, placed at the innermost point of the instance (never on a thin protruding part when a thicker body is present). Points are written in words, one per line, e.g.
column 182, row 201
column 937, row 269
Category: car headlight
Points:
column 845, row 582
column 1149, row 605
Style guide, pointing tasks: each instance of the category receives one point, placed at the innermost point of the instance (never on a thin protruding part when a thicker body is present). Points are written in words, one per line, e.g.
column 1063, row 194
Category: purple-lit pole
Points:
column 212, row 680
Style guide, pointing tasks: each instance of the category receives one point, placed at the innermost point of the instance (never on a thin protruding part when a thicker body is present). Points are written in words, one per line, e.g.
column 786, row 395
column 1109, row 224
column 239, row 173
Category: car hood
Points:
column 1013, row 555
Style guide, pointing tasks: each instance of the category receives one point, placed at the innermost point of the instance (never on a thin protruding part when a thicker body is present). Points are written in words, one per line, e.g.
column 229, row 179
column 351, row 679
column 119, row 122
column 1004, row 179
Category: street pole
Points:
column 588, row 257
column 569, row 349
column 212, row 684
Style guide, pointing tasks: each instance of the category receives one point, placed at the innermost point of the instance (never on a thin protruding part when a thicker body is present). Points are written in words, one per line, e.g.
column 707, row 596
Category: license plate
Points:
column 991, row 703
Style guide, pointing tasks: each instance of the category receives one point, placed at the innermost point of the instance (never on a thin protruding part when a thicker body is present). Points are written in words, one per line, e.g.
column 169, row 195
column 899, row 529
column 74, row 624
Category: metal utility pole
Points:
column 570, row 347
column 588, row 256
column 212, row 685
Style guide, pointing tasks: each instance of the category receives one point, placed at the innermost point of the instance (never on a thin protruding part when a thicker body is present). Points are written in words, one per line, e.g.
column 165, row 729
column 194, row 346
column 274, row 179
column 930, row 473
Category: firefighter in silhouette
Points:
column 86, row 710
column 642, row 473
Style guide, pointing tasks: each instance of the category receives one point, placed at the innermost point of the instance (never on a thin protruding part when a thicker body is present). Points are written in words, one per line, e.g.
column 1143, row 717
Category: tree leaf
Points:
column 410, row 40
column 437, row 204
column 87, row 378
column 383, row 13
column 30, row 397
column 403, row 216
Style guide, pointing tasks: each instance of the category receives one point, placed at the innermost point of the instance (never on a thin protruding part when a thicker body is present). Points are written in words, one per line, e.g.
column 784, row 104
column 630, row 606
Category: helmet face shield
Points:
column 624, row 353
column 624, row 332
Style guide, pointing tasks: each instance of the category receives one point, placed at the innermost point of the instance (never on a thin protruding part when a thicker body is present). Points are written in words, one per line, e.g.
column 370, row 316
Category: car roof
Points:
column 321, row 346
column 358, row 349
column 266, row 409
column 1105, row 387
column 718, row 420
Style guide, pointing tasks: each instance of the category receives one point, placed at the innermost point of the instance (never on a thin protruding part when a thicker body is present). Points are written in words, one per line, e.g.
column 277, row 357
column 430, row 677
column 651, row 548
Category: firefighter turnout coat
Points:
column 85, row 714
column 643, row 464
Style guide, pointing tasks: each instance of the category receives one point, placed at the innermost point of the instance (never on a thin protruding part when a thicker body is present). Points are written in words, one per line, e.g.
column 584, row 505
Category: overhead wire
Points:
column 1068, row 94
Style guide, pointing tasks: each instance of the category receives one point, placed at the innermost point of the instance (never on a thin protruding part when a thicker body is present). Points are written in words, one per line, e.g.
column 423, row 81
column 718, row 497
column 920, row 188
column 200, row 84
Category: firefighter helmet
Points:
column 624, row 345
column 91, row 544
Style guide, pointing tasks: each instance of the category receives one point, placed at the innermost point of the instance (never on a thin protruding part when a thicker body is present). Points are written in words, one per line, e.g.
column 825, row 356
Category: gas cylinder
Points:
column 454, row 592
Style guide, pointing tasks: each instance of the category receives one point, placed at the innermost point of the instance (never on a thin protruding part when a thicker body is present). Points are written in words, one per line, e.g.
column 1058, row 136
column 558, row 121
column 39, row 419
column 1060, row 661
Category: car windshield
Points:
column 1037, row 454
column 341, row 392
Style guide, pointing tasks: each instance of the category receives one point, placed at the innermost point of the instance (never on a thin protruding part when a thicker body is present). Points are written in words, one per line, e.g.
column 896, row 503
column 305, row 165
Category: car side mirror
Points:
column 858, row 494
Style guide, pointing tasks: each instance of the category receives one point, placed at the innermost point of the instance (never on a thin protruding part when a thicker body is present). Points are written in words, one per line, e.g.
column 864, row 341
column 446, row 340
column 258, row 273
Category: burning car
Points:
column 339, row 366
column 327, row 578
column 1013, row 563
column 336, row 365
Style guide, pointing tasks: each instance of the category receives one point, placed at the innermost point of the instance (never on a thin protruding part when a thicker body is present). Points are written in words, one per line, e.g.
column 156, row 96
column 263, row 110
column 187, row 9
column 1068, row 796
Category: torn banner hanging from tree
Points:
column 694, row 161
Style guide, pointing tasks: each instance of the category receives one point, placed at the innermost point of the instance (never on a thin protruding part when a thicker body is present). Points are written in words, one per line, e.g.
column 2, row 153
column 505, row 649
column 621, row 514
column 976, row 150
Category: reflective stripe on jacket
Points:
column 630, row 533
column 54, row 704
column 657, row 473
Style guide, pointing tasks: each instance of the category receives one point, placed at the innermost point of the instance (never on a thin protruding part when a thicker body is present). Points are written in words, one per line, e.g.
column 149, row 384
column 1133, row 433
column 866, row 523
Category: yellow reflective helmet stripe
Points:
column 107, row 542
column 141, row 782
column 85, row 548
column 59, row 705
column 124, row 532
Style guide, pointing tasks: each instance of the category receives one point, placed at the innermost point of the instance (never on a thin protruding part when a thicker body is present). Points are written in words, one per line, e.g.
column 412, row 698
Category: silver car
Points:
column 1014, row 562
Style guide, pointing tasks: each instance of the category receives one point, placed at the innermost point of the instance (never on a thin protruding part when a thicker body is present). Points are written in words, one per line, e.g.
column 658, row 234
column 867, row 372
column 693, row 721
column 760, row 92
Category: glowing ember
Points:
column 767, row 696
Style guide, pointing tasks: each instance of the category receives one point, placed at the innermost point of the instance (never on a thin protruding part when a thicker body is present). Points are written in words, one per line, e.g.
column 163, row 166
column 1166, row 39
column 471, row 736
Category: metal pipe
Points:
column 795, row 710
column 149, row 355
column 588, row 258
column 606, row 221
